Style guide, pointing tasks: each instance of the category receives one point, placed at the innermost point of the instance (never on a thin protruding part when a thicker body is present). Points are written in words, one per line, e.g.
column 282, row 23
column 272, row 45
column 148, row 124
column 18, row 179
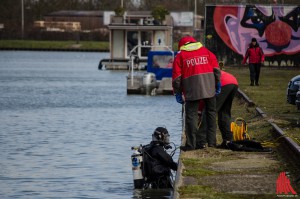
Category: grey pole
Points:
column 22, row 7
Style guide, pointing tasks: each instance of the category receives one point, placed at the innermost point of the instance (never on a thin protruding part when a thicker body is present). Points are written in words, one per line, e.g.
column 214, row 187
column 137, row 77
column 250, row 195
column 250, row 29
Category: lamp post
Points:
column 22, row 13
column 195, row 18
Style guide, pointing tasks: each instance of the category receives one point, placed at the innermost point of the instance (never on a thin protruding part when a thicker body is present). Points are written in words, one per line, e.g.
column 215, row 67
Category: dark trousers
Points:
column 254, row 72
column 224, row 103
column 191, row 111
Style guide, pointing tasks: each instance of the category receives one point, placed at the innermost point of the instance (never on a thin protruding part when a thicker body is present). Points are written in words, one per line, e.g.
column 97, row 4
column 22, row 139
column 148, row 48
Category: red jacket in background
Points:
column 255, row 55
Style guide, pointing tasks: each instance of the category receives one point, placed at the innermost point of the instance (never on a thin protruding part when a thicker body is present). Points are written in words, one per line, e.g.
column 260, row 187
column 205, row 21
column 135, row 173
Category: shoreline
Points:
column 254, row 163
column 54, row 49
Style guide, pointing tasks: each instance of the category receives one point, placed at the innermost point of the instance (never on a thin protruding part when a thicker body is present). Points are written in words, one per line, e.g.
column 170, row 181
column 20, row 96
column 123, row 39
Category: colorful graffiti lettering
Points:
column 276, row 28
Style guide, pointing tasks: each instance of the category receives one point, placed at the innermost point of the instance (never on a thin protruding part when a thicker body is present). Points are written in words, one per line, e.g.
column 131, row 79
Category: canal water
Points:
column 67, row 128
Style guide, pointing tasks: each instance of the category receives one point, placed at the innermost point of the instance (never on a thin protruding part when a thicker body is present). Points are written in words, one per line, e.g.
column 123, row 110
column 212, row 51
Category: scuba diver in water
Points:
column 157, row 163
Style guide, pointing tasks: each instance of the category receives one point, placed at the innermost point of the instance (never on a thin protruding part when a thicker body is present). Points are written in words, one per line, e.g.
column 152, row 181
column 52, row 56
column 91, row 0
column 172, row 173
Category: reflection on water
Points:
column 67, row 128
column 161, row 193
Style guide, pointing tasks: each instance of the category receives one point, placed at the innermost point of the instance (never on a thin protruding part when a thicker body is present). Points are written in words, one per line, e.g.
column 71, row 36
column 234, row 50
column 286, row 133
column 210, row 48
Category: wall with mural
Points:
column 229, row 29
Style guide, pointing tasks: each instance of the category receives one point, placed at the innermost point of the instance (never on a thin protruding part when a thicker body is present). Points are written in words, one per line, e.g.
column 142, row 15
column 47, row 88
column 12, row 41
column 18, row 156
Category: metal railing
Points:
column 132, row 55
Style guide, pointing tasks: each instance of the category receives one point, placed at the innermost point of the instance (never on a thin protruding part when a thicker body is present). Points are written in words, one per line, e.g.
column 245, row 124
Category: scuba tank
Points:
column 137, row 161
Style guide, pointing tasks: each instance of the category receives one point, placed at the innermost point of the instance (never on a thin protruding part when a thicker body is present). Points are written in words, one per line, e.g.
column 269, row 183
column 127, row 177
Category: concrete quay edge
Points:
column 240, row 94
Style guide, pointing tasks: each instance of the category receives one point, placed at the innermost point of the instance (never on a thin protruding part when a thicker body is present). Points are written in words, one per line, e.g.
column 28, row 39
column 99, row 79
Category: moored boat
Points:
column 157, row 80
column 136, row 28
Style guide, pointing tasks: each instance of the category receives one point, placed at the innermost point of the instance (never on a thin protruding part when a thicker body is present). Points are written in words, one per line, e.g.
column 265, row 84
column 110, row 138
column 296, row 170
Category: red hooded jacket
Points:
column 255, row 55
column 227, row 78
column 195, row 70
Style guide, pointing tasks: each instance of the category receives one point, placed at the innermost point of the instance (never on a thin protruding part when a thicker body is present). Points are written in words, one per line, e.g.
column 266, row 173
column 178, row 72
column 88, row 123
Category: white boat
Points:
column 157, row 80
column 135, row 28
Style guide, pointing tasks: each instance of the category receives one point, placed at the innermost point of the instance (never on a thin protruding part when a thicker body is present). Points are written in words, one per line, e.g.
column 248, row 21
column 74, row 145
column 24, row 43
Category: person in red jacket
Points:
column 224, row 103
column 196, row 76
column 256, row 57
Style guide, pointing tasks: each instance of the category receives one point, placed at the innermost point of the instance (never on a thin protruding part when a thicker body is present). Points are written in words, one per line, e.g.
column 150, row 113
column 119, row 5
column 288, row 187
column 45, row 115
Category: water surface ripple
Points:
column 67, row 128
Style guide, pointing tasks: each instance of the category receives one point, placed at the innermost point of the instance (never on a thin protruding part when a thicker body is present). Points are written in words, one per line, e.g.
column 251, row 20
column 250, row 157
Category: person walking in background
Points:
column 196, row 76
column 256, row 56
column 224, row 104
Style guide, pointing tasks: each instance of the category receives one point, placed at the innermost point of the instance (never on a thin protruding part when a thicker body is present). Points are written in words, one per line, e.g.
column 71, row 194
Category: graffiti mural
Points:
column 276, row 28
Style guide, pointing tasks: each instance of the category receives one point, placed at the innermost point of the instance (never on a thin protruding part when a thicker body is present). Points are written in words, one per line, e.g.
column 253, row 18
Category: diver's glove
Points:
column 218, row 88
column 179, row 98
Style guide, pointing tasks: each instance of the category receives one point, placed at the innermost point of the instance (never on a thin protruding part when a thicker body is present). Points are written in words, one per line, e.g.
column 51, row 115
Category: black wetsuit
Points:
column 157, row 165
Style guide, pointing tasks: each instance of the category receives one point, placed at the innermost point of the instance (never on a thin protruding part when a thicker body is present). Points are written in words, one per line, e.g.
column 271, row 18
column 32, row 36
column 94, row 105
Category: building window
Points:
column 132, row 41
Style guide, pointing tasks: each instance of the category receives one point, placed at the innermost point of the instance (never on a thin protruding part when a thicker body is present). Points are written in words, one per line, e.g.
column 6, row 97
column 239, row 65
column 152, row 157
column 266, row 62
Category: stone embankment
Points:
column 221, row 173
